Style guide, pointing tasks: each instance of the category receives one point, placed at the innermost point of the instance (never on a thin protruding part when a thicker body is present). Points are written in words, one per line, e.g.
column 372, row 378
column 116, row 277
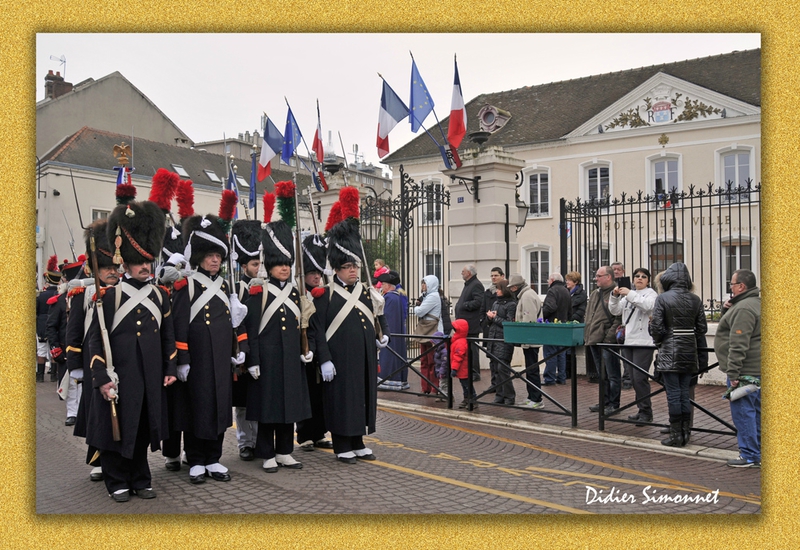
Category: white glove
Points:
column 169, row 274
column 238, row 360
column 255, row 371
column 328, row 371
column 383, row 342
column 183, row 372
column 308, row 357
column 238, row 311
column 76, row 374
column 177, row 259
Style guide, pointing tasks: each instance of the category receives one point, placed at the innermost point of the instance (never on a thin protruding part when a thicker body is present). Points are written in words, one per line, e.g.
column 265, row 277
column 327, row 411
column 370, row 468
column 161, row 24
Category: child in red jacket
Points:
column 459, row 348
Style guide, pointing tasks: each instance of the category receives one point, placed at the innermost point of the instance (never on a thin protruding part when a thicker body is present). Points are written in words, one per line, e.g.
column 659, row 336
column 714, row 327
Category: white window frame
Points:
column 650, row 174
column 649, row 254
column 529, row 172
column 605, row 259
column 537, row 247
column 423, row 255
column 213, row 176
column 438, row 209
column 180, row 170
column 724, row 244
column 583, row 176
column 719, row 166
column 100, row 214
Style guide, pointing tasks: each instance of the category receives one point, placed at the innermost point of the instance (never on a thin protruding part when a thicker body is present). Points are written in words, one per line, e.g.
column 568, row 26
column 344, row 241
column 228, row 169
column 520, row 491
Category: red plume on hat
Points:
column 349, row 198
column 126, row 192
column 269, row 206
column 52, row 263
column 184, row 195
column 334, row 216
column 227, row 206
column 163, row 188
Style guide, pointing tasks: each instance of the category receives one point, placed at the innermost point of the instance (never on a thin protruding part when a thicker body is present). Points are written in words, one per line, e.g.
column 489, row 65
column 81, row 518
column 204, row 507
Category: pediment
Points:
column 662, row 101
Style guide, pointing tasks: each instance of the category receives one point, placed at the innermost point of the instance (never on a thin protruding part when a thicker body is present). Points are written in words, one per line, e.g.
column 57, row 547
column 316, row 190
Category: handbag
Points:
column 620, row 332
column 426, row 327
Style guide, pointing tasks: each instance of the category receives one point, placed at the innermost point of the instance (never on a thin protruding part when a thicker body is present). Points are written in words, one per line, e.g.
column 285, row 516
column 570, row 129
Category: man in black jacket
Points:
column 557, row 306
column 50, row 289
column 468, row 308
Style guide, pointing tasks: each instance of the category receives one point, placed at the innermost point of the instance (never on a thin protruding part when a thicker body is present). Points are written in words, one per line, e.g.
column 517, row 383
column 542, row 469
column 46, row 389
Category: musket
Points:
column 77, row 205
column 301, row 272
column 372, row 290
column 71, row 237
column 106, row 343
column 53, row 244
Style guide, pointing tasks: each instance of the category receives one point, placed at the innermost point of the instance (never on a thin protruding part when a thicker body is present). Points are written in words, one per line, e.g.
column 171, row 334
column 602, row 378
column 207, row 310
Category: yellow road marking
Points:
column 480, row 489
column 663, row 482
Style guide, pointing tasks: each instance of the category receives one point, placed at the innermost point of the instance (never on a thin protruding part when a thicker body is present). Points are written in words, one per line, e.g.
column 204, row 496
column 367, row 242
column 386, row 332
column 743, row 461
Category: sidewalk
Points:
column 702, row 444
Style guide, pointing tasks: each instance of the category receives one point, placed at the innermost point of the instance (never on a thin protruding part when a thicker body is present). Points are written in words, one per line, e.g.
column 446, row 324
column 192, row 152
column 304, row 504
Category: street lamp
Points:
column 522, row 213
column 522, row 218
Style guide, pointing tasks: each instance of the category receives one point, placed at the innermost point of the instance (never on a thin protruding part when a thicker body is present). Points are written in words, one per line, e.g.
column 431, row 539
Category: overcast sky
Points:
column 210, row 84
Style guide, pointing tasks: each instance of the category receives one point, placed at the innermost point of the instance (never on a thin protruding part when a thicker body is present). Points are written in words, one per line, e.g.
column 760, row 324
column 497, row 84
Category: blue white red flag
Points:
column 291, row 137
column 317, row 145
column 233, row 187
column 457, row 127
column 122, row 171
column 273, row 143
column 421, row 101
column 392, row 111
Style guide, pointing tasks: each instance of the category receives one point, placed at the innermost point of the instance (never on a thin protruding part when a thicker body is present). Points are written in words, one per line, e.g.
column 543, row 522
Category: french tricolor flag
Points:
column 392, row 111
column 457, row 127
column 273, row 143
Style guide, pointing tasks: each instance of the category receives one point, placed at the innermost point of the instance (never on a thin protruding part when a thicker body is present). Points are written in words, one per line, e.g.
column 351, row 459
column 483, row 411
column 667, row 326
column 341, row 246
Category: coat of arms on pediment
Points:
column 664, row 105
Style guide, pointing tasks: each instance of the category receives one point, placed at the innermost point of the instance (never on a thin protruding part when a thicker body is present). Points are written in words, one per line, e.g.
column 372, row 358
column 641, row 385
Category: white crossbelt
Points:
column 136, row 297
column 213, row 288
column 281, row 299
column 351, row 301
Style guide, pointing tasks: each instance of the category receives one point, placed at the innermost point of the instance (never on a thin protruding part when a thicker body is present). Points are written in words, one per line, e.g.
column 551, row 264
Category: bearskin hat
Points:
column 105, row 253
column 136, row 231
column 344, row 243
column 203, row 235
column 278, row 243
column 172, row 244
column 314, row 249
column 245, row 241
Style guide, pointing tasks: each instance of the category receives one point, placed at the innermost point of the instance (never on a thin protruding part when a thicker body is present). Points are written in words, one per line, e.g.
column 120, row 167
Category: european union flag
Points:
column 252, row 199
column 291, row 137
column 421, row 102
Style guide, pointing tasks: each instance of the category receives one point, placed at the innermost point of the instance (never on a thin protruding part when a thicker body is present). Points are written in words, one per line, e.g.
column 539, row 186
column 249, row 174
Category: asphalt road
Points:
column 428, row 463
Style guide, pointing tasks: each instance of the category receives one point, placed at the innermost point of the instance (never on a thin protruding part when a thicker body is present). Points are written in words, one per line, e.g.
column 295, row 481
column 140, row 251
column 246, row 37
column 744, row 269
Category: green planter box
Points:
column 544, row 334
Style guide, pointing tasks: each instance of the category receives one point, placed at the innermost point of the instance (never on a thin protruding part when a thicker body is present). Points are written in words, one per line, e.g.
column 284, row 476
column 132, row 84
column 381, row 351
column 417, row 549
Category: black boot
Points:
column 675, row 438
column 686, row 428
column 40, row 372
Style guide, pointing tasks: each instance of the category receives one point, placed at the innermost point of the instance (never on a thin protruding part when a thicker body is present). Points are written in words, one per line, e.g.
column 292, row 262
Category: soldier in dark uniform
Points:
column 57, row 336
column 51, row 277
column 311, row 431
column 136, row 316
column 204, row 336
column 278, row 397
column 246, row 251
column 80, row 318
column 347, row 347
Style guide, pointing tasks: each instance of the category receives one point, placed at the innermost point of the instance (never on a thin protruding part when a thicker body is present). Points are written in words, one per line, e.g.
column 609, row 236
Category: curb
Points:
column 575, row 433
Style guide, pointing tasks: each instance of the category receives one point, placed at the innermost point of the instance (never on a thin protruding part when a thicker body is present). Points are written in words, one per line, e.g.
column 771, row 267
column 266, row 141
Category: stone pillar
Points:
column 477, row 229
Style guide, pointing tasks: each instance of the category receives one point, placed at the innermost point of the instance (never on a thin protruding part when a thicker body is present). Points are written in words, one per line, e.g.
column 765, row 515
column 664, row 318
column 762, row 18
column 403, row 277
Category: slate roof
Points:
column 550, row 111
column 93, row 148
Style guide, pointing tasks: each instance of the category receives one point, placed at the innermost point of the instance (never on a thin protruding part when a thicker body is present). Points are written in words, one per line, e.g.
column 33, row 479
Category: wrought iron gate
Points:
column 408, row 232
column 713, row 231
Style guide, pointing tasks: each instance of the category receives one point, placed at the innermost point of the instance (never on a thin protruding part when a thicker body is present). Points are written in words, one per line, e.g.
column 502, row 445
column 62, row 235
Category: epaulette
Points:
column 164, row 288
column 317, row 291
column 256, row 289
column 52, row 300
column 75, row 291
column 102, row 293
column 181, row 283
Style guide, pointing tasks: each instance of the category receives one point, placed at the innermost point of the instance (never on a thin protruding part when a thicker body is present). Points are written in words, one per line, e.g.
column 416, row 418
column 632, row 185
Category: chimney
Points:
column 54, row 85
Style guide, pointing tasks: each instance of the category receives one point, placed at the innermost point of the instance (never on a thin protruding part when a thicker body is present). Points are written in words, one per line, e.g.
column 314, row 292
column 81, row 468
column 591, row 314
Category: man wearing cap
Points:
column 204, row 336
column 342, row 335
column 81, row 296
column 57, row 338
column 246, row 251
column 51, row 279
column 132, row 341
column 392, row 359
column 529, row 306
column 311, row 431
